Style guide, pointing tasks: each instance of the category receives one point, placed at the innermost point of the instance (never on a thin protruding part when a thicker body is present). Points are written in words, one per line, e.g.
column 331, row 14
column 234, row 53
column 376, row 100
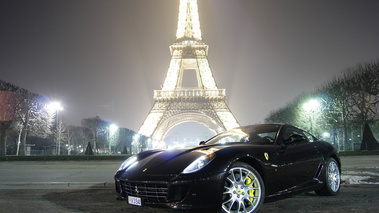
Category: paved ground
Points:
column 352, row 199
column 53, row 174
column 23, row 184
column 88, row 187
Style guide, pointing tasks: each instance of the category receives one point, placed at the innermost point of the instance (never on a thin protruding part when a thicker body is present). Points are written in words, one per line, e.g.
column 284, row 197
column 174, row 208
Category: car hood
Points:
column 166, row 162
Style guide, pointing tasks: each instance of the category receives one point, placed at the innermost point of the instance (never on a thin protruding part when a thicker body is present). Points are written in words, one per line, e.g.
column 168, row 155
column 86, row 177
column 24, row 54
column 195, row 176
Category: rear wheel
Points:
column 332, row 179
column 243, row 189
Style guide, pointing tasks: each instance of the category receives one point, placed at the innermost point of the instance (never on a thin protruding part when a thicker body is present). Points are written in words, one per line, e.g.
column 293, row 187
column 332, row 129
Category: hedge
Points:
column 64, row 158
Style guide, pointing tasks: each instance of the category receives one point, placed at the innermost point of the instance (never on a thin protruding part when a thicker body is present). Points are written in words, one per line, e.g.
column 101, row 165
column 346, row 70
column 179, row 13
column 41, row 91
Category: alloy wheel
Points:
column 242, row 190
column 334, row 176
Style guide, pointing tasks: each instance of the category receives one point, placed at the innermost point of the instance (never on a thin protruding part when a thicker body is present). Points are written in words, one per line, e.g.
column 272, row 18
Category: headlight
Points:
column 128, row 162
column 199, row 163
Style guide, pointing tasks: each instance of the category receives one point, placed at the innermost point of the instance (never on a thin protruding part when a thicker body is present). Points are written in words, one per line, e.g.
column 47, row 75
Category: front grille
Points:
column 149, row 192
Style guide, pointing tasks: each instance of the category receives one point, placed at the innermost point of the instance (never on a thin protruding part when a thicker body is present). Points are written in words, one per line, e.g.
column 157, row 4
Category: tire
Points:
column 244, row 189
column 332, row 179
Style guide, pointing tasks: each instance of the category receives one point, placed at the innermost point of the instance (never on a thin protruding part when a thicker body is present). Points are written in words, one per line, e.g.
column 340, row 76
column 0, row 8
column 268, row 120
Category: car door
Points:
column 301, row 160
column 275, row 173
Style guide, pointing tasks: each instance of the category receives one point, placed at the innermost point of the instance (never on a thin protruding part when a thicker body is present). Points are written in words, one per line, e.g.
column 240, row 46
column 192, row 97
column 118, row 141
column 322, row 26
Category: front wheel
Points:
column 244, row 190
column 332, row 179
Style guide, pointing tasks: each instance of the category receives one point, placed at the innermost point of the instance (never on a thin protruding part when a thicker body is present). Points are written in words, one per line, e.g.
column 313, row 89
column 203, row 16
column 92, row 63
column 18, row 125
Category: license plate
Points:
column 134, row 201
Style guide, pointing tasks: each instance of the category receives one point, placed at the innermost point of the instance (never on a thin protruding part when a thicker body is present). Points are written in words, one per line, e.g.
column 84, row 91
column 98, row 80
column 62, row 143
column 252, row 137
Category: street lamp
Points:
column 56, row 107
column 112, row 132
column 310, row 107
column 326, row 135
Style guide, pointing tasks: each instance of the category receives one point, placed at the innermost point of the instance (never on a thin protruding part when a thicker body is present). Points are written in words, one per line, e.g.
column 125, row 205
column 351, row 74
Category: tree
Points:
column 96, row 126
column 336, row 113
column 77, row 138
column 8, row 100
column 363, row 88
column 33, row 117
column 60, row 134
column 348, row 101
column 29, row 115
column 126, row 139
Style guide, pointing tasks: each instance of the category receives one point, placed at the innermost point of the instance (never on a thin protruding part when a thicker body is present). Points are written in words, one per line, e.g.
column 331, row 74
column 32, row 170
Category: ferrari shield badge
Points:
column 266, row 155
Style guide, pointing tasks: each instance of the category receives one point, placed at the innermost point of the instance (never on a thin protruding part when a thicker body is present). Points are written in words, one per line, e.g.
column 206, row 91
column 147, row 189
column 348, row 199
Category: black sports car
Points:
column 234, row 171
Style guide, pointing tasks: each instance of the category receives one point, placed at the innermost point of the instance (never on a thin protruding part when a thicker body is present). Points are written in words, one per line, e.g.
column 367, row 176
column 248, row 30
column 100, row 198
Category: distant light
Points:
column 54, row 107
column 311, row 105
column 112, row 129
column 136, row 137
column 326, row 134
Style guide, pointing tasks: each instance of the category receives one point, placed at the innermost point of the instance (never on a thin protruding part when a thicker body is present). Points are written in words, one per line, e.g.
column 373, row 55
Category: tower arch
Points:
column 181, row 118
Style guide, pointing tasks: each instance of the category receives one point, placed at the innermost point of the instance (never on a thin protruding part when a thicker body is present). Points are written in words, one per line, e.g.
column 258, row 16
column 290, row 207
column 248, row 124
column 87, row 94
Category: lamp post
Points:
column 136, row 142
column 56, row 107
column 310, row 107
column 148, row 146
column 112, row 132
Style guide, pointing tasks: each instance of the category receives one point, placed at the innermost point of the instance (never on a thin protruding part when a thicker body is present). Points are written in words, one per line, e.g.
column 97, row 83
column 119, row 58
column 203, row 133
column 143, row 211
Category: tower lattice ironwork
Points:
column 176, row 104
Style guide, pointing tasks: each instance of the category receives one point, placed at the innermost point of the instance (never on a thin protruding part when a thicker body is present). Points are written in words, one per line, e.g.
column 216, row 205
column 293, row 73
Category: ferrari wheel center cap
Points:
column 239, row 191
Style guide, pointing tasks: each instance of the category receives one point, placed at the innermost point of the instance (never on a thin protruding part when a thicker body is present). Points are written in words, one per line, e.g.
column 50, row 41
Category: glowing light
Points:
column 51, row 108
column 54, row 107
column 188, row 21
column 188, row 52
column 311, row 105
column 206, row 74
column 228, row 120
column 172, row 75
column 136, row 137
column 326, row 134
column 112, row 129
column 150, row 123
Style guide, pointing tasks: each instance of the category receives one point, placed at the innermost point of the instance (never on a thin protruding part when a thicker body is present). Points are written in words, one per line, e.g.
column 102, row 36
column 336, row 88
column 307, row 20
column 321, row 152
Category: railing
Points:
column 189, row 93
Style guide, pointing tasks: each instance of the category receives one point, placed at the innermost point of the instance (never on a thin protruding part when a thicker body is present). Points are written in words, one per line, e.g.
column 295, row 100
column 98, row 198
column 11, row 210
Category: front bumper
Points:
column 185, row 192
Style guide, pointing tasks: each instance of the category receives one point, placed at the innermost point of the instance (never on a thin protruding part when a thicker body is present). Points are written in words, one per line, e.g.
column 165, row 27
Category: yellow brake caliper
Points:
column 252, row 191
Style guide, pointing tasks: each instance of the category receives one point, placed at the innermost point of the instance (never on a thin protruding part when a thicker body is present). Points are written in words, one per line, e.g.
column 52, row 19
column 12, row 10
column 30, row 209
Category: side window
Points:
column 292, row 131
column 288, row 133
column 228, row 139
column 309, row 136
column 269, row 136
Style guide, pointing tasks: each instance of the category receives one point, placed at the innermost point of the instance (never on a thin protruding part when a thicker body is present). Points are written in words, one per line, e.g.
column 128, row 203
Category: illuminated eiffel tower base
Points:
column 174, row 104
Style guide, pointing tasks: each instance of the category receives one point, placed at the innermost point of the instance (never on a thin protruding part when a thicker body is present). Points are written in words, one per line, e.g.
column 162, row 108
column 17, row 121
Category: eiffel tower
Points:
column 175, row 104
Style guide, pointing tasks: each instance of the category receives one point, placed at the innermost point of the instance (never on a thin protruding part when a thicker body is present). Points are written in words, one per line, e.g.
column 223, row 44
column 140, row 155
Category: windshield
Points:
column 264, row 134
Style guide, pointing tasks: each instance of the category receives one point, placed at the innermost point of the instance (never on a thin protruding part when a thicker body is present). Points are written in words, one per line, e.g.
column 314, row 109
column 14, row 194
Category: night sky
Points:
column 105, row 57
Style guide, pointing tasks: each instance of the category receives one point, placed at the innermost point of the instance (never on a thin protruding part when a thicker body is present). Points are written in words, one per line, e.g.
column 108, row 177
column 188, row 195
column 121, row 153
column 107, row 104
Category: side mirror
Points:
column 202, row 143
column 294, row 138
